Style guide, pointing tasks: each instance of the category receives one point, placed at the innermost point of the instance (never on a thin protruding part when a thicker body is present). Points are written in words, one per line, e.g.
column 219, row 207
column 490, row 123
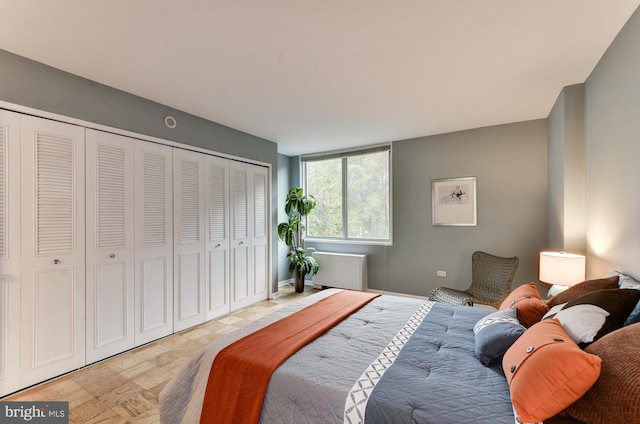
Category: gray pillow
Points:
column 495, row 333
column 627, row 281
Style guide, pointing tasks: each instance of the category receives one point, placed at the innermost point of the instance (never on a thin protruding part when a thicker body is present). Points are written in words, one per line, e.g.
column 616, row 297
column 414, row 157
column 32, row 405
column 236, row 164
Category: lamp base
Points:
column 555, row 289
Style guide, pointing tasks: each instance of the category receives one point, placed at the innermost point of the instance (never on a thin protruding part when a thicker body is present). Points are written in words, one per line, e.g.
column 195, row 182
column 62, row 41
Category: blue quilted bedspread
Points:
column 436, row 378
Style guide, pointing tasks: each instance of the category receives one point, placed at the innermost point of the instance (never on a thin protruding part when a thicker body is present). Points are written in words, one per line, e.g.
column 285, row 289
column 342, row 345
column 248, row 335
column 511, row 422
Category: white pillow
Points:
column 582, row 322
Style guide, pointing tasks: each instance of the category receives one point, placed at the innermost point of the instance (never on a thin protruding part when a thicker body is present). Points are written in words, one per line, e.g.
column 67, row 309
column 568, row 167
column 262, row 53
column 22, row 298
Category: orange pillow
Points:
column 547, row 371
column 528, row 303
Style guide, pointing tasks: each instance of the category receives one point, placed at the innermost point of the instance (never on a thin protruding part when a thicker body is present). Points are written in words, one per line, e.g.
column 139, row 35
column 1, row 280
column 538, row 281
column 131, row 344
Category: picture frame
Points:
column 453, row 202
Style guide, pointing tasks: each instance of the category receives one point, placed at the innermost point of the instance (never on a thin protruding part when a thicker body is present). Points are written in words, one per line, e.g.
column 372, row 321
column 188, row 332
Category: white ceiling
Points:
column 323, row 75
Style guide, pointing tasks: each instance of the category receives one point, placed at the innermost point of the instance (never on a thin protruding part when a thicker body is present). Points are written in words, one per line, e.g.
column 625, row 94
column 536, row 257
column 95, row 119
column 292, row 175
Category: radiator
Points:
column 341, row 270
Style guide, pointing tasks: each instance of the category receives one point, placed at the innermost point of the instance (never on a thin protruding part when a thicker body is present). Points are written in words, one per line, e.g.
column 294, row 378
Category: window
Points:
column 353, row 195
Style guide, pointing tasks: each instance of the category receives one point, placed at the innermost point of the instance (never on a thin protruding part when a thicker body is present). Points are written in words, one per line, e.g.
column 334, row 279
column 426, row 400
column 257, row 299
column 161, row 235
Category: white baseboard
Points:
column 291, row 282
column 288, row 282
column 285, row 282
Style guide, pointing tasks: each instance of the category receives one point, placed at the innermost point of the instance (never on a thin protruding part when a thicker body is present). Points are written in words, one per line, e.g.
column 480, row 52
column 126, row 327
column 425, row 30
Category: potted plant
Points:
column 297, row 207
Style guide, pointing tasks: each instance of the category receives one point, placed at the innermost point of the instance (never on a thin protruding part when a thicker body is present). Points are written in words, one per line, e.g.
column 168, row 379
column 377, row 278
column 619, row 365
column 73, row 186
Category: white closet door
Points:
column 260, row 235
column 110, row 244
column 241, row 199
column 189, row 246
column 9, row 252
column 217, row 243
column 249, row 234
column 154, row 242
column 53, row 249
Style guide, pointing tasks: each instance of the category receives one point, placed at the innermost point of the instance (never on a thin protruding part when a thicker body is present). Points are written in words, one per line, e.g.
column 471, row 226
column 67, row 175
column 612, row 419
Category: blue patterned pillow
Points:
column 495, row 333
column 628, row 282
column 634, row 316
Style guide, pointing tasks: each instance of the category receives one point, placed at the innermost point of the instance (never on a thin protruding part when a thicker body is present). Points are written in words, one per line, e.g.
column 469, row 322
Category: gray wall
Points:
column 510, row 164
column 612, row 111
column 566, row 214
column 28, row 83
column 288, row 176
column 284, row 182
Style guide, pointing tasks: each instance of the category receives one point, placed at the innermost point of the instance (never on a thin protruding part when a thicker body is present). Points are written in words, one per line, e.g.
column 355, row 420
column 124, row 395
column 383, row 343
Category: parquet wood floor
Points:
column 125, row 388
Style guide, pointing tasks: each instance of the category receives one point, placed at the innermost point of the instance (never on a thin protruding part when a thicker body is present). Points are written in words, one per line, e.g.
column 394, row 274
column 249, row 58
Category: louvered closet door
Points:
column 110, row 244
column 9, row 252
column 241, row 251
column 217, row 243
column 53, row 249
column 154, row 242
column 260, row 235
column 189, row 237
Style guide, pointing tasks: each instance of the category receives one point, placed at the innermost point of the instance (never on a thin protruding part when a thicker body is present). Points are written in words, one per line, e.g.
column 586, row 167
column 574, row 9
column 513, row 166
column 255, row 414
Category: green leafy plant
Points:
column 297, row 207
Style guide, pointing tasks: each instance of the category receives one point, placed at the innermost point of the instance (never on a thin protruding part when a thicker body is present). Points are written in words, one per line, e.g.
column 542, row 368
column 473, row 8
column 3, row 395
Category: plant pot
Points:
column 298, row 281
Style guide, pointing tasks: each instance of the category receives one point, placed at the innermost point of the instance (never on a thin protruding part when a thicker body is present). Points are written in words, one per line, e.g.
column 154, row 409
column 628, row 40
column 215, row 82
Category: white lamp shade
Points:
column 565, row 269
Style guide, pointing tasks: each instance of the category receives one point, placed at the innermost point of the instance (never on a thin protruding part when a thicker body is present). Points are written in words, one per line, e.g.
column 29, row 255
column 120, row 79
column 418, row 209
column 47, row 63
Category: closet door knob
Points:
column 113, row 255
column 57, row 261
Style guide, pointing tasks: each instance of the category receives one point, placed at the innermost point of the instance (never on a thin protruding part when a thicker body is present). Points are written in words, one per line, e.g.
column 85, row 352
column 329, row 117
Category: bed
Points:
column 394, row 360
column 313, row 385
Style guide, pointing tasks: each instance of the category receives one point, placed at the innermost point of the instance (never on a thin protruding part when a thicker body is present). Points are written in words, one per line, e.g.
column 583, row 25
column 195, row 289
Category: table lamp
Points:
column 561, row 270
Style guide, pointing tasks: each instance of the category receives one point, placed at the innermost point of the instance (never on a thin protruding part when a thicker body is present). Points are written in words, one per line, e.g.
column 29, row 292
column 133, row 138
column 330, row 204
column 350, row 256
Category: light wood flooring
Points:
column 125, row 388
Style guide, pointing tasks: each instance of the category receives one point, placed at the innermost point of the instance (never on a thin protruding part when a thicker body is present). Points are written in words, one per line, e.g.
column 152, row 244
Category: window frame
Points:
column 344, row 155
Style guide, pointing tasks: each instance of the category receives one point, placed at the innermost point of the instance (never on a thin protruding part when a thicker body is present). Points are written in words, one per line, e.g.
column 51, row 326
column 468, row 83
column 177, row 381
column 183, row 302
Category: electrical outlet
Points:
column 441, row 273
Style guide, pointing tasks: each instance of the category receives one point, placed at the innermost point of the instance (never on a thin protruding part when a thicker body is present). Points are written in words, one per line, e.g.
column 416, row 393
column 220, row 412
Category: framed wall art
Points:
column 454, row 201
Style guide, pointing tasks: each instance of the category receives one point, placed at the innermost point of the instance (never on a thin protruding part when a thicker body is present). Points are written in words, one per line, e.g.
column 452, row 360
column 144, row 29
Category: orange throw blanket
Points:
column 240, row 372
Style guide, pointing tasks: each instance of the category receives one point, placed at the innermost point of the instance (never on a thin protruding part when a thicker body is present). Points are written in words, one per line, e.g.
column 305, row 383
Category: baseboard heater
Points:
column 341, row 270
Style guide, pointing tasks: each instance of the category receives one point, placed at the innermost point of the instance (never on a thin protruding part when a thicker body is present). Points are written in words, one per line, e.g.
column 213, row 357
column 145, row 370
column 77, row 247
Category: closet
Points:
column 129, row 243
column 220, row 236
column 217, row 236
column 110, row 249
column 52, row 276
column 249, row 250
column 109, row 242
column 188, row 245
column 153, row 229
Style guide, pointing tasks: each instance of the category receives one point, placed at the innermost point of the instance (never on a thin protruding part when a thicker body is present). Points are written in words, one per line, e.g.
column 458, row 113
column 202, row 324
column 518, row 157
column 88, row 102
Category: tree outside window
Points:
column 352, row 191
